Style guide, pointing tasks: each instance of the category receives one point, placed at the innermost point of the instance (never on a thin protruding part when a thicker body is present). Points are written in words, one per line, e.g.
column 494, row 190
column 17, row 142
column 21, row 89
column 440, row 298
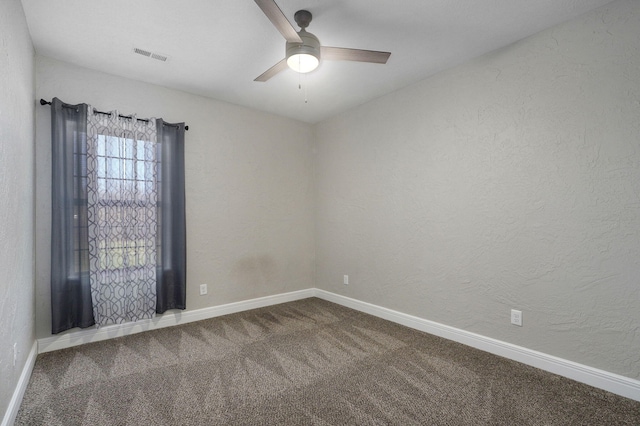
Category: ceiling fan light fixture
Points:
column 304, row 57
column 303, row 62
column 303, row 50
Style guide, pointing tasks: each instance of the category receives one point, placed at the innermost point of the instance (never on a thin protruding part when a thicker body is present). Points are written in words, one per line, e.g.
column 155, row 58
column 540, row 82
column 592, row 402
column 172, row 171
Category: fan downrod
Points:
column 303, row 18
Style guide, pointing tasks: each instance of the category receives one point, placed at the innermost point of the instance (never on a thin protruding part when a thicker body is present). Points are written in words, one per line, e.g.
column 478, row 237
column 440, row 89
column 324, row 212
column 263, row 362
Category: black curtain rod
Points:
column 95, row 111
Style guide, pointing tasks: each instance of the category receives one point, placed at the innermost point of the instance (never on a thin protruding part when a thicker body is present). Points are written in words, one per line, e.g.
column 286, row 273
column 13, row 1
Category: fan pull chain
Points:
column 305, row 86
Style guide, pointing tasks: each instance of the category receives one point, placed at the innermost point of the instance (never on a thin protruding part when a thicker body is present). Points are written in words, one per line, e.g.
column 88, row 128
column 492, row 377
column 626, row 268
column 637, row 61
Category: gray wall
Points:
column 248, row 183
column 16, row 193
column 512, row 181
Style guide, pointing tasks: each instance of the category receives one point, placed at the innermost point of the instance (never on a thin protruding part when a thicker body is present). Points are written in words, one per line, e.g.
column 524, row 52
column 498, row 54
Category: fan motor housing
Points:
column 310, row 46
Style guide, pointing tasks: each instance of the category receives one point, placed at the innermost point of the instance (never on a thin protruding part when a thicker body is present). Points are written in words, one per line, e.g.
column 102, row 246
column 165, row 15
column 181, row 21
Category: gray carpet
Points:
column 302, row 363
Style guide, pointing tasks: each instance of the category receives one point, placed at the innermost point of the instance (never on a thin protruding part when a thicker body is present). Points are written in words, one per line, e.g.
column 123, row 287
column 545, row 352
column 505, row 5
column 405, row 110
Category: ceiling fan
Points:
column 303, row 49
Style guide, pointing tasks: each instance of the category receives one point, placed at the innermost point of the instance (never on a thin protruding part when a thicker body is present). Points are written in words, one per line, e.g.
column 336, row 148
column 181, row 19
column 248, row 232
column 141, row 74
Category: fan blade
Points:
column 277, row 18
column 359, row 55
column 280, row 66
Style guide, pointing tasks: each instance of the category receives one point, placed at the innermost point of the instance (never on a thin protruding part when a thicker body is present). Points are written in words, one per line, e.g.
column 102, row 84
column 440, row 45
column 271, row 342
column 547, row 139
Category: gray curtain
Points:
column 71, row 300
column 172, row 245
column 70, row 289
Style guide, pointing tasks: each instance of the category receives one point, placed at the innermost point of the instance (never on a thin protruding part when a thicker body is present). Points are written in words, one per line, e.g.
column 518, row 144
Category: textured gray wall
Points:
column 508, row 182
column 17, row 105
column 248, row 182
column 512, row 181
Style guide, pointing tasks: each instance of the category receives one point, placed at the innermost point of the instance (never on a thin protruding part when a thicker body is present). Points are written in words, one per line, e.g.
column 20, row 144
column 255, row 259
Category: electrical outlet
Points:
column 203, row 289
column 345, row 280
column 516, row 317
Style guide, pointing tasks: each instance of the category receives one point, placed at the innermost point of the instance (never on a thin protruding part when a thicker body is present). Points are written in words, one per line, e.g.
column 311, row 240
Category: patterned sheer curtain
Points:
column 118, row 235
column 122, row 198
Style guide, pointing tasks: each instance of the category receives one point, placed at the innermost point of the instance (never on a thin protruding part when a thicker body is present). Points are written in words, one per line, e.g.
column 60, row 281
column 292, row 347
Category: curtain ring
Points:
column 114, row 115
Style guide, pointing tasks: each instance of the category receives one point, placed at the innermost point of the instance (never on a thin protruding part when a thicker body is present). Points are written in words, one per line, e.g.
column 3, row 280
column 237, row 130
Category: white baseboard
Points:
column 21, row 387
column 611, row 382
column 171, row 318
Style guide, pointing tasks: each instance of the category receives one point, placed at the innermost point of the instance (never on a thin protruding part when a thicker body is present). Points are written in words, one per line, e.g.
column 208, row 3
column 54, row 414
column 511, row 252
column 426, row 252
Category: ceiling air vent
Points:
column 141, row 52
column 158, row 56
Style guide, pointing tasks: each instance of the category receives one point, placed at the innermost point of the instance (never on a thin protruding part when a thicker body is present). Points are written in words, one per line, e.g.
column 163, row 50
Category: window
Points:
column 126, row 190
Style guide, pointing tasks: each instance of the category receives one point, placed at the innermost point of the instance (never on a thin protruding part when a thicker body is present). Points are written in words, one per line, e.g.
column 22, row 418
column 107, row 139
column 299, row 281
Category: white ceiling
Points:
column 217, row 47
